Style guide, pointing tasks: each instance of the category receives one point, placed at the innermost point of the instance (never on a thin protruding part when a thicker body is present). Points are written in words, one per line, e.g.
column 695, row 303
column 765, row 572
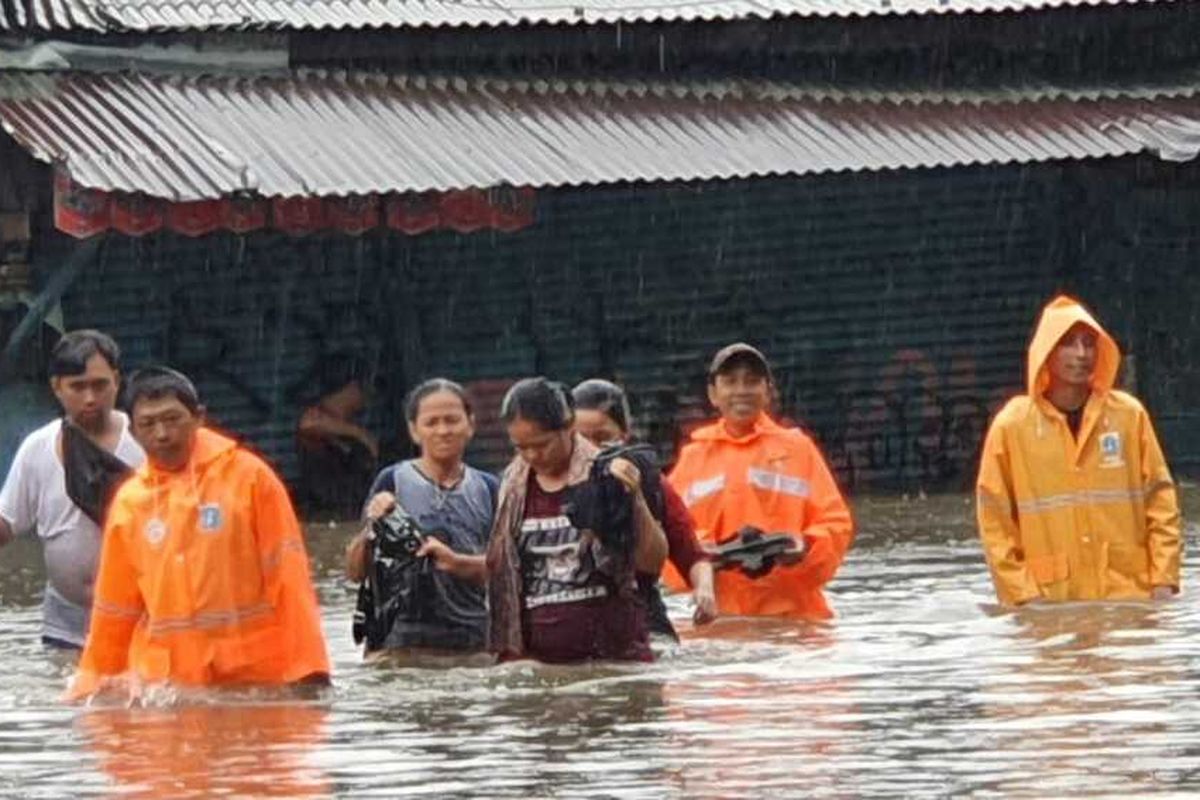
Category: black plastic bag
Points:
column 396, row 579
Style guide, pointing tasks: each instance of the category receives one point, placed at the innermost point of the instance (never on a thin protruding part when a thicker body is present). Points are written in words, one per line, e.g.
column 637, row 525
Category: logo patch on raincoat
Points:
column 1110, row 450
column 210, row 517
column 155, row 530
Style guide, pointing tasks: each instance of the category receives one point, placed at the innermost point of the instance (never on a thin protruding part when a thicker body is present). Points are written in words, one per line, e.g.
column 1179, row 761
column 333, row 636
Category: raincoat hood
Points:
column 1057, row 318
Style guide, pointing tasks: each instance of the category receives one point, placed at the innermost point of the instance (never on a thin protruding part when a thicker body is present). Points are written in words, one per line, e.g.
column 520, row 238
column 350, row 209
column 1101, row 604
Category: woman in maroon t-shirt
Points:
column 602, row 416
column 556, row 593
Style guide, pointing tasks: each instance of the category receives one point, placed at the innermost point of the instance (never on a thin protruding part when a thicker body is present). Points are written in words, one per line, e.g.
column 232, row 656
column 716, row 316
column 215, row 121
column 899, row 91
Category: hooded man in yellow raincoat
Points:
column 1075, row 501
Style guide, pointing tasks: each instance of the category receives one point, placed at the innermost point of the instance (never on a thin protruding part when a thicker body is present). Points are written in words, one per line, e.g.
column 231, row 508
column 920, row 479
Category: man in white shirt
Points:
column 85, row 377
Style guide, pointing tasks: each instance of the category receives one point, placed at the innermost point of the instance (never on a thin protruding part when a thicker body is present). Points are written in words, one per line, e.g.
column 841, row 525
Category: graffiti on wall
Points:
column 264, row 330
column 919, row 427
column 305, row 376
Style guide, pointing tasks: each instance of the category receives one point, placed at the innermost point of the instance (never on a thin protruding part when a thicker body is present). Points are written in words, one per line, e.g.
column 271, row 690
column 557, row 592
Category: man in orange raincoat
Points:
column 1075, row 501
column 203, row 576
column 747, row 470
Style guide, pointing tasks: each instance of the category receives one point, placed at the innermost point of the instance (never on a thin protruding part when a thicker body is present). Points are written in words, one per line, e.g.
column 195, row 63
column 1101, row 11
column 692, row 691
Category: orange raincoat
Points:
column 203, row 578
column 775, row 479
column 1066, row 518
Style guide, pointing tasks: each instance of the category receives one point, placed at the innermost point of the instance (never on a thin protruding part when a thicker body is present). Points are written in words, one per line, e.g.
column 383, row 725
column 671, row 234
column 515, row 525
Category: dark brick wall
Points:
column 896, row 307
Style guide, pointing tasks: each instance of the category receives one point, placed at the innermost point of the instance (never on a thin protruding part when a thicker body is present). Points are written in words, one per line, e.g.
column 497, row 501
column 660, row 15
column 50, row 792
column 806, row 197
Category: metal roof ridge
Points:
column 703, row 90
column 1182, row 85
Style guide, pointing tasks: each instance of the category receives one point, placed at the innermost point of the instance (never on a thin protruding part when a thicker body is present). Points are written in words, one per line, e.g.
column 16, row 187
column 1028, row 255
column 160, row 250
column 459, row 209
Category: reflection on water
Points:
column 921, row 687
column 244, row 749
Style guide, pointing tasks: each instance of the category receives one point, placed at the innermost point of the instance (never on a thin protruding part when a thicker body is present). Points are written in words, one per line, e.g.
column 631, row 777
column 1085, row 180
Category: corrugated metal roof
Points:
column 326, row 134
column 156, row 15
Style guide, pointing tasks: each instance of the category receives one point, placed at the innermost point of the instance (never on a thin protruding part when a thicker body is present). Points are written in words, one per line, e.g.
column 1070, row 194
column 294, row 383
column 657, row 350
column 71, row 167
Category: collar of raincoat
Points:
column 209, row 447
column 720, row 433
column 1057, row 318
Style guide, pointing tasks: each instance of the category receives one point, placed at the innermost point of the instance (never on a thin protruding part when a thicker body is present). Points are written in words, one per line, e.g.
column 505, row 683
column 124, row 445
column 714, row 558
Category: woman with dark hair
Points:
column 558, row 593
column 602, row 416
column 438, row 603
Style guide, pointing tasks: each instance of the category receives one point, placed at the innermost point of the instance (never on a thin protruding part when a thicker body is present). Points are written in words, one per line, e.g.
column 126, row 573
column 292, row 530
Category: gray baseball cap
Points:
column 739, row 350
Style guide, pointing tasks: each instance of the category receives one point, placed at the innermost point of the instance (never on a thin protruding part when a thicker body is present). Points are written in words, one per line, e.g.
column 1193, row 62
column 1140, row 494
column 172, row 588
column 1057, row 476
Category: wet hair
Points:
column 72, row 352
column 412, row 403
column 606, row 397
column 547, row 403
column 157, row 382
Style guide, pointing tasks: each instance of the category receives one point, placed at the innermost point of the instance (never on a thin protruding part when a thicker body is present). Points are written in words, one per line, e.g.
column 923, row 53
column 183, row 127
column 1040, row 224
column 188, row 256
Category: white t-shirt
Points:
column 34, row 499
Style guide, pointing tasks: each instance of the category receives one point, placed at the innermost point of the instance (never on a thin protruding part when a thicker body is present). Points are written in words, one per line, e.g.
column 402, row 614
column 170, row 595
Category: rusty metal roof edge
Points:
column 183, row 197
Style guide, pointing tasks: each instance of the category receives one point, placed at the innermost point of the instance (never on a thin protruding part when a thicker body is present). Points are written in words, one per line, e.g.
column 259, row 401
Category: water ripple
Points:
column 922, row 687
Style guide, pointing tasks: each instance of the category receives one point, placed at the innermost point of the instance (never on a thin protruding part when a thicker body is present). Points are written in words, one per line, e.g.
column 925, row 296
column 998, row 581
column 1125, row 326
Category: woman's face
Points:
column 546, row 452
column 598, row 427
column 442, row 427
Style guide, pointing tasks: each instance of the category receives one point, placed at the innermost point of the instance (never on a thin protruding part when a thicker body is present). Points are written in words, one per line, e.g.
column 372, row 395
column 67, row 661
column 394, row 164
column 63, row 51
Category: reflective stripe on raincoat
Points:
column 775, row 479
column 203, row 578
column 1066, row 518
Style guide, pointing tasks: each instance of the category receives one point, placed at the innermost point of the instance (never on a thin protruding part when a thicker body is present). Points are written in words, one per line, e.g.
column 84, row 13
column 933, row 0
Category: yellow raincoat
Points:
column 1076, row 519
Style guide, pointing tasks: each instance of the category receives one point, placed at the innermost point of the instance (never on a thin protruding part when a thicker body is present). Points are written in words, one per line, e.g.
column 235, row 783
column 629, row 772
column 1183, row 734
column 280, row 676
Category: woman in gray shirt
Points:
column 437, row 601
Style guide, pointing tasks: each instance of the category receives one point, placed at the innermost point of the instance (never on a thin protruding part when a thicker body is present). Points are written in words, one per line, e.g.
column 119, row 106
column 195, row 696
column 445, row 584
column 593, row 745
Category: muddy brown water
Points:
column 920, row 688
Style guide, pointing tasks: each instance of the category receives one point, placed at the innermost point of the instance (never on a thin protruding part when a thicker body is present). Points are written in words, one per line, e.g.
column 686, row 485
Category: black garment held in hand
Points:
column 92, row 474
column 602, row 505
column 396, row 579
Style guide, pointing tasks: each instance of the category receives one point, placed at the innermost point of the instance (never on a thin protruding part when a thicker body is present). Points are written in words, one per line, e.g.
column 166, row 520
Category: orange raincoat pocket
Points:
column 1128, row 571
column 1130, row 561
column 153, row 663
column 1050, row 569
column 250, row 655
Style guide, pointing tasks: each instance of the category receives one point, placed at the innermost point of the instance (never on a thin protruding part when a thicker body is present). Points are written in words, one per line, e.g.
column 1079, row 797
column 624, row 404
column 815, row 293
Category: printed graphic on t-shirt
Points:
column 555, row 565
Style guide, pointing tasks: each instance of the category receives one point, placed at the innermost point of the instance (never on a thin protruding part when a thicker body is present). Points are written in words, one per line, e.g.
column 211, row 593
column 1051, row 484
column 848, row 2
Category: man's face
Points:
column 88, row 398
column 1073, row 359
column 740, row 392
column 166, row 430
column 546, row 452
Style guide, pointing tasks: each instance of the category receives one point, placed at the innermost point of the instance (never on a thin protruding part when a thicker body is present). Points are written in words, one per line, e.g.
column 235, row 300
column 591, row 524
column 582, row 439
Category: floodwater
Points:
column 921, row 688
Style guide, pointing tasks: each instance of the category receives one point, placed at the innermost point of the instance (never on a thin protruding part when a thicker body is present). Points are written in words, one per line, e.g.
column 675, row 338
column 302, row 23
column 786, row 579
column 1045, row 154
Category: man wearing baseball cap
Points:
column 747, row 470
